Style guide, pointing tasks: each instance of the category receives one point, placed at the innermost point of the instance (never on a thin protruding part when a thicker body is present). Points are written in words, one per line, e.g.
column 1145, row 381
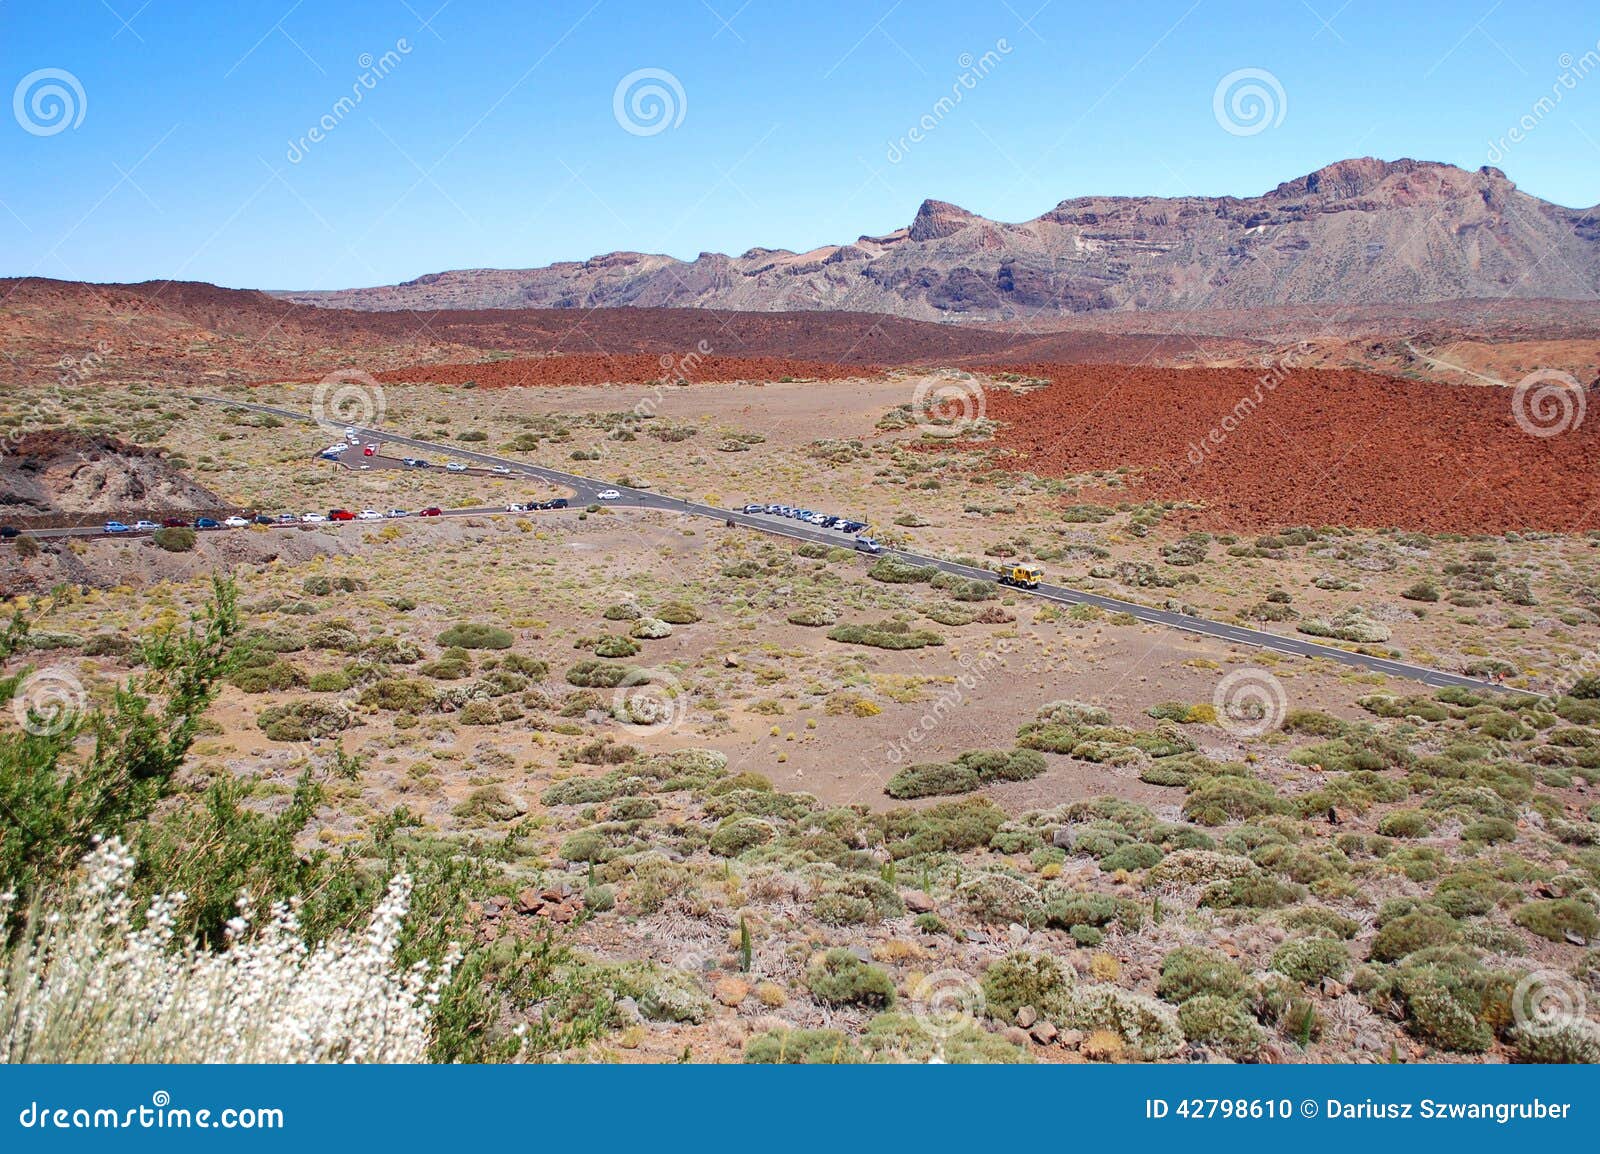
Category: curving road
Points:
column 584, row 490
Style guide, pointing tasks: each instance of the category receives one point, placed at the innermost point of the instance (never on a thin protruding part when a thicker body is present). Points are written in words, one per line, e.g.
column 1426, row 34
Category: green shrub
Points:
column 1556, row 918
column 931, row 779
column 840, row 978
column 1405, row 823
column 885, row 635
column 1025, row 979
column 1309, row 960
column 175, row 538
column 616, row 645
column 1252, row 891
column 593, row 673
column 1221, row 1022
column 1418, row 930
column 678, row 613
column 794, row 1047
column 473, row 636
column 303, row 720
column 1191, row 971
column 737, row 834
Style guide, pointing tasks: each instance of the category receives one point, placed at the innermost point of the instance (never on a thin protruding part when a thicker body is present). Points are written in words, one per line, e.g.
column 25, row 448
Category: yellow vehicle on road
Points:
column 1022, row 576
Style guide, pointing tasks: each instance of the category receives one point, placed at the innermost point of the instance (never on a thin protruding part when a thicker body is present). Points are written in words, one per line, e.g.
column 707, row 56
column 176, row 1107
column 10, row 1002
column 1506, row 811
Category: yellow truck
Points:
column 1022, row 576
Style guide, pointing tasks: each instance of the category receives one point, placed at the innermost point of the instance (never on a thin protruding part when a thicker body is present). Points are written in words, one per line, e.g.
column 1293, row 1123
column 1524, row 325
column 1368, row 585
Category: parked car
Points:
column 369, row 515
column 207, row 523
column 341, row 515
column 397, row 513
column 264, row 519
column 417, row 462
column 753, row 509
column 8, row 532
column 237, row 522
column 455, row 467
column 501, row 470
column 830, row 522
column 175, row 523
column 431, row 511
column 558, row 503
column 312, row 518
column 328, row 456
column 868, row 545
column 609, row 495
column 117, row 527
column 369, row 451
column 513, row 507
column 143, row 526
column 352, row 436
column 287, row 518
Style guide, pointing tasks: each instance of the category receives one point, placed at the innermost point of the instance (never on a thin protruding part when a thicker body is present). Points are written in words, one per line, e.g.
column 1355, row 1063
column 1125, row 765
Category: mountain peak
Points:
column 938, row 218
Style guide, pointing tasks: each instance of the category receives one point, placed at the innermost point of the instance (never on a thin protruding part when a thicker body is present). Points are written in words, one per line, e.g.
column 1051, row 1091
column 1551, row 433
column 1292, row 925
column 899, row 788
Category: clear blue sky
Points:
column 492, row 140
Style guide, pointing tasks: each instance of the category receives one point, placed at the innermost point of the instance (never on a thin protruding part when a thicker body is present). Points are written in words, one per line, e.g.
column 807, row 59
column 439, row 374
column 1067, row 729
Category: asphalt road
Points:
column 584, row 490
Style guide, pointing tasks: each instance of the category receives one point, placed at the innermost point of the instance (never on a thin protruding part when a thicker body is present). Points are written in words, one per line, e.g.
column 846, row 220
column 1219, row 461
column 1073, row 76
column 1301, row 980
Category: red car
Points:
column 370, row 450
column 341, row 515
column 431, row 511
column 175, row 523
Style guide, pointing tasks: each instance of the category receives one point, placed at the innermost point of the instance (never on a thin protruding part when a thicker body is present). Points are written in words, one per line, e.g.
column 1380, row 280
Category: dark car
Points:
column 7, row 532
column 559, row 503
column 431, row 511
column 175, row 523
column 207, row 523
column 264, row 519
column 341, row 515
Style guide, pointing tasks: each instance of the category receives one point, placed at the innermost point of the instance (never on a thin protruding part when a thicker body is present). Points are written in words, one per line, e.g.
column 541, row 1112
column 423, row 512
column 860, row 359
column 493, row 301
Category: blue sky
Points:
column 491, row 138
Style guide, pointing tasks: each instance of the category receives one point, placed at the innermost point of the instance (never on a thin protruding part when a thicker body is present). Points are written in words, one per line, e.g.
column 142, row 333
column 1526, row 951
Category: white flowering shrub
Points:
column 86, row 983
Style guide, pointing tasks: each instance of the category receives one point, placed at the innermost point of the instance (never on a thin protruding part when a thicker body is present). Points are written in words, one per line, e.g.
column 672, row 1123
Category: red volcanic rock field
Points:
column 1322, row 447
column 621, row 369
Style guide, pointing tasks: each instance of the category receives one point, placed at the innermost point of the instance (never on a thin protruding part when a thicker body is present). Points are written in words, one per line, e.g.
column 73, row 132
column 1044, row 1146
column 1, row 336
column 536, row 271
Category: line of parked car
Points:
column 530, row 506
column 822, row 521
column 241, row 522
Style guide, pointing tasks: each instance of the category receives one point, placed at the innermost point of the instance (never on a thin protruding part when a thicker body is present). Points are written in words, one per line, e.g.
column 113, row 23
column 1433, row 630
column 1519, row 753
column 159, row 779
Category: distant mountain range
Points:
column 1358, row 231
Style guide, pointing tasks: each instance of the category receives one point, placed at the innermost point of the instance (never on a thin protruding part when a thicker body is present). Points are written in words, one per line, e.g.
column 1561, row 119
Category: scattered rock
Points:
column 918, row 902
column 1016, row 1035
column 1044, row 1033
column 731, row 991
column 1027, row 1016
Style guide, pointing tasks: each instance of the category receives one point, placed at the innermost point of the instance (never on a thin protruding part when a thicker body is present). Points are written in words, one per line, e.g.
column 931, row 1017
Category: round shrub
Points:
column 1221, row 1022
column 1191, row 971
column 931, row 779
column 842, row 979
column 1024, row 979
column 1309, row 960
column 175, row 538
column 473, row 636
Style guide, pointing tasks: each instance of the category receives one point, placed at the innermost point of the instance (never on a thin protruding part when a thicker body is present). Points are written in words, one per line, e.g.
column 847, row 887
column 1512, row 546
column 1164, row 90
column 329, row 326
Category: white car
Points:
column 456, row 467
column 501, row 470
column 513, row 507
column 609, row 495
column 311, row 518
column 397, row 513
column 237, row 523
column 369, row 515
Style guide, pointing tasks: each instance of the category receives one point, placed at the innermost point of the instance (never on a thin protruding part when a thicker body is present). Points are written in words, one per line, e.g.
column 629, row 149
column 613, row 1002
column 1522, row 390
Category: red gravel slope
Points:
column 1316, row 446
